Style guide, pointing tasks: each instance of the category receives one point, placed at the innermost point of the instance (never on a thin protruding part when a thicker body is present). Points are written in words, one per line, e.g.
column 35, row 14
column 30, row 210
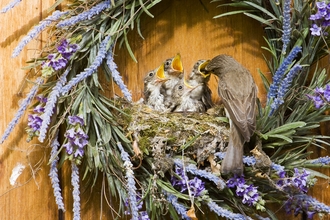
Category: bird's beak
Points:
column 160, row 74
column 202, row 69
column 177, row 65
column 188, row 85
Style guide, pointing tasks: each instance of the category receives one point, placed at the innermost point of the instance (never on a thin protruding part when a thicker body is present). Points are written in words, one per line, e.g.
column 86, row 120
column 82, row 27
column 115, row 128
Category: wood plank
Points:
column 32, row 196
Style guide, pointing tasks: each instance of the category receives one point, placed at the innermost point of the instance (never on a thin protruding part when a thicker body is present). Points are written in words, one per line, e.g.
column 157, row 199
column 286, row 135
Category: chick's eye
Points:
column 180, row 87
column 151, row 74
column 167, row 63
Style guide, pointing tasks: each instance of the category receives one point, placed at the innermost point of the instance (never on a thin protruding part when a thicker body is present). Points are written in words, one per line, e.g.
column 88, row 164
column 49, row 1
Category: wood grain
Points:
column 32, row 196
column 180, row 26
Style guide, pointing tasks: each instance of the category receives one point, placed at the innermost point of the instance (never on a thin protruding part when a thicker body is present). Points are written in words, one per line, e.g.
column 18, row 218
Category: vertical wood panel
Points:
column 188, row 27
column 32, row 196
column 184, row 26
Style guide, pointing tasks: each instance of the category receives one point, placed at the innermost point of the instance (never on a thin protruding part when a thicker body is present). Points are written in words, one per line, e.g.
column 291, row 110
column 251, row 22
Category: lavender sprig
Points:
column 272, row 93
column 248, row 160
column 21, row 110
column 303, row 203
column 131, row 188
column 191, row 168
column 321, row 160
column 53, row 173
column 286, row 25
column 117, row 77
column 50, row 105
column 181, row 209
column 89, row 70
column 225, row 212
column 36, row 30
column 11, row 5
column 76, row 191
column 284, row 87
column 86, row 15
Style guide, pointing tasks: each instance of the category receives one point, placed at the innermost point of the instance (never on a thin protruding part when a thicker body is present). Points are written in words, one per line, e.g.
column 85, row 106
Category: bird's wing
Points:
column 239, row 98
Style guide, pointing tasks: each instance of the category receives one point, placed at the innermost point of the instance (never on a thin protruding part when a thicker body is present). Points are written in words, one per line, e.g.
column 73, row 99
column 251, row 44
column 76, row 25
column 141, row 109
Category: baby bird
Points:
column 153, row 82
column 173, row 70
column 187, row 98
column 200, row 77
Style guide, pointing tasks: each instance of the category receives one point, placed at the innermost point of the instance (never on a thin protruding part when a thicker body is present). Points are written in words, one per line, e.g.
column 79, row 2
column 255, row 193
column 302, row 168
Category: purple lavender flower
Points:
column 117, row 77
column 284, row 87
column 300, row 203
column 315, row 30
column 36, row 30
column 50, row 105
column 322, row 160
column 249, row 193
column 66, row 49
column 235, row 181
column 277, row 167
column 278, row 75
column 53, row 173
column 249, row 160
column 297, row 183
column 21, row 110
column 181, row 209
column 143, row 215
column 11, row 5
column 91, row 69
column 73, row 120
column 321, row 96
column 180, row 182
column 131, row 188
column 34, row 122
column 86, row 15
column 197, row 186
column 41, row 98
column 77, row 139
column 320, row 19
column 286, row 25
column 191, row 168
column 213, row 206
column 76, row 191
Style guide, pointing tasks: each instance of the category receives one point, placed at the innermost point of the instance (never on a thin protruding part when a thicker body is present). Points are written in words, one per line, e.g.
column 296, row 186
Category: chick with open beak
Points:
column 200, row 77
column 153, row 82
column 173, row 71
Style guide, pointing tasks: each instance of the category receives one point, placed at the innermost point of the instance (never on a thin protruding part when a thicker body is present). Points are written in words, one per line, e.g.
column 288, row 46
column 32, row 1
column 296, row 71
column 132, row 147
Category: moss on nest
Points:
column 158, row 134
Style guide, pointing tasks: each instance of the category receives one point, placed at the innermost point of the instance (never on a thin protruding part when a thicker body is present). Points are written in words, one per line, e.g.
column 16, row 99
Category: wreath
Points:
column 159, row 162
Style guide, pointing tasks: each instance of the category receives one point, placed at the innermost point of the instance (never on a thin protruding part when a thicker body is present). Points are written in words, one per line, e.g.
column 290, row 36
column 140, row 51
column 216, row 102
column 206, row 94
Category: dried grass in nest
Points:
column 165, row 135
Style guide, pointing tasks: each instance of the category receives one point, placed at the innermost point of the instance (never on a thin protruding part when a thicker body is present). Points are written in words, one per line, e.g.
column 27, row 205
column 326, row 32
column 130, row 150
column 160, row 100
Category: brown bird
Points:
column 200, row 77
column 174, row 73
column 187, row 98
column 152, row 86
column 238, row 92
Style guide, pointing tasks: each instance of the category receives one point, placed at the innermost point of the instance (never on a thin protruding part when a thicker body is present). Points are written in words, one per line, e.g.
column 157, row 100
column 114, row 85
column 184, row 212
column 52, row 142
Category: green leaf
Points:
column 128, row 47
column 280, row 137
column 286, row 127
column 262, row 9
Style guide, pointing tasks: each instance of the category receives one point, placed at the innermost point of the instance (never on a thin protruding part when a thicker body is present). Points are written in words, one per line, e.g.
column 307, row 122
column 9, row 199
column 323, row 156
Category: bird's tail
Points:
column 233, row 160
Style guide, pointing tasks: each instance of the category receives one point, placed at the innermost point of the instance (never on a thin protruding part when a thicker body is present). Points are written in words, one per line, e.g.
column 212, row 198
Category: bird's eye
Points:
column 151, row 74
column 167, row 63
column 180, row 87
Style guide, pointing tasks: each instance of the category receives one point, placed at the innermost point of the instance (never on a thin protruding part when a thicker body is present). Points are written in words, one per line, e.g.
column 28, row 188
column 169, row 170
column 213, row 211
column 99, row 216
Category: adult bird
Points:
column 152, row 86
column 238, row 92
column 200, row 77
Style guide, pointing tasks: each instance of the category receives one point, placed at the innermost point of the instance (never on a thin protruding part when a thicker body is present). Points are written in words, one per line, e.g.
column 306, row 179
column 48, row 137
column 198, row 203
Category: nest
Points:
column 165, row 135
